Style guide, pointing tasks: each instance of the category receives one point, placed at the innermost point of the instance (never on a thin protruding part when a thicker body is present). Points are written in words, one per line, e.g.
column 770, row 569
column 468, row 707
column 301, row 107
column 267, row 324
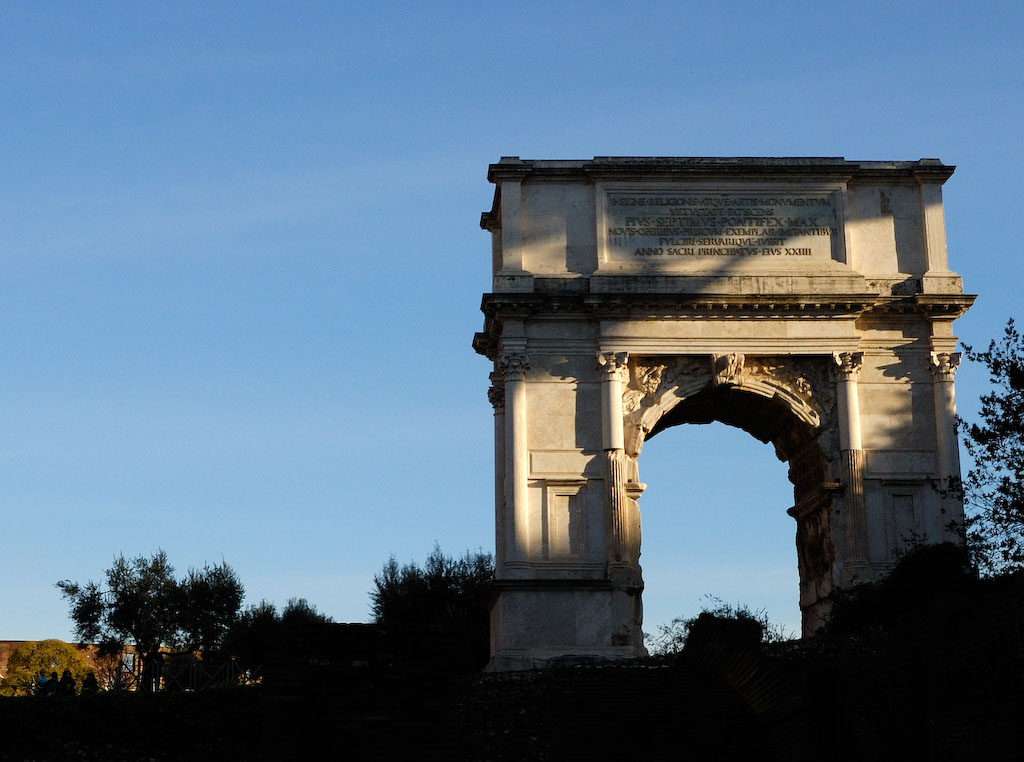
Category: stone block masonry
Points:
column 808, row 301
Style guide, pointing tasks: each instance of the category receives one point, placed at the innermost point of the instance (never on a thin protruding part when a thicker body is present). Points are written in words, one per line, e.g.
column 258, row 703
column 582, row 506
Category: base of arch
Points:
column 542, row 623
column 510, row 661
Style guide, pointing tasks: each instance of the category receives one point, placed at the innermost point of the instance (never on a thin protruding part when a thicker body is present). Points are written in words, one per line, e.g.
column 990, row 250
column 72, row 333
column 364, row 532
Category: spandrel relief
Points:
column 806, row 378
column 645, row 380
column 651, row 381
column 807, row 383
column 658, row 384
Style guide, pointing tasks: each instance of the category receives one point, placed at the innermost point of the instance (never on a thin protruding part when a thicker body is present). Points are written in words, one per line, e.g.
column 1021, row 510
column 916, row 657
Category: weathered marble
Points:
column 807, row 301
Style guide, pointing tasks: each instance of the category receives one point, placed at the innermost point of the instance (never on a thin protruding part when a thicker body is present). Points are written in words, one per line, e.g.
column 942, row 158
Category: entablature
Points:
column 522, row 306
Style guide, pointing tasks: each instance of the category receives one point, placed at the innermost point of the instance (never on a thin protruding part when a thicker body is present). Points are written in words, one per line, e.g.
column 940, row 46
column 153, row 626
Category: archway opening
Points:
column 728, row 500
column 714, row 524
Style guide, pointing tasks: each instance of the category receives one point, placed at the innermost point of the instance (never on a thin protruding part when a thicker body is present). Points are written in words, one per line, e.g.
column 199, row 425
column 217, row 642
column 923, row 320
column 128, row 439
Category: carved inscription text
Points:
column 697, row 224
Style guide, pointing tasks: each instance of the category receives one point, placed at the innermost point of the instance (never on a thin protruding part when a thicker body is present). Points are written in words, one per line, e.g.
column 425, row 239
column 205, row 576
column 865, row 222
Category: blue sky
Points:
column 241, row 266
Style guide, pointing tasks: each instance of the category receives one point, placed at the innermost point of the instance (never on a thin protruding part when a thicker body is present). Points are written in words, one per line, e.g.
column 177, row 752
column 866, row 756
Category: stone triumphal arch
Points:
column 807, row 301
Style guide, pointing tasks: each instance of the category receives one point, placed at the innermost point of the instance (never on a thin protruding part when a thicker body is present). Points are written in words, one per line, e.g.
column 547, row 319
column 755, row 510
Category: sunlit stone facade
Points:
column 807, row 301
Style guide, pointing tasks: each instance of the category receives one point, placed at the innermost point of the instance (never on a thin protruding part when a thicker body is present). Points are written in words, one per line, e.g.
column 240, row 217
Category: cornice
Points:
column 933, row 306
column 833, row 168
column 947, row 306
column 499, row 307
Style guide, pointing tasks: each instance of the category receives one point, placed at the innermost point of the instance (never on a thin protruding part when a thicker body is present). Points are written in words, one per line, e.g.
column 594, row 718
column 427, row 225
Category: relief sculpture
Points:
column 650, row 381
column 727, row 369
column 658, row 384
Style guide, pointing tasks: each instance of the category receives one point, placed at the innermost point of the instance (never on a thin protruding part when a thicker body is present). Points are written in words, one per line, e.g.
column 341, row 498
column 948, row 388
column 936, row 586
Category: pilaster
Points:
column 510, row 275
column 937, row 279
column 934, row 227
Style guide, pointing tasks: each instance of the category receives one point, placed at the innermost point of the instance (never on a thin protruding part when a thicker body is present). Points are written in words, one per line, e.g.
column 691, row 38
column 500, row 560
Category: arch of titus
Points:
column 807, row 301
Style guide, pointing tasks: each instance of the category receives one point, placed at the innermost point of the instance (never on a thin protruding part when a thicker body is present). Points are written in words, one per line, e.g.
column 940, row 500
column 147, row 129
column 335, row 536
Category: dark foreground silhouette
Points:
column 926, row 666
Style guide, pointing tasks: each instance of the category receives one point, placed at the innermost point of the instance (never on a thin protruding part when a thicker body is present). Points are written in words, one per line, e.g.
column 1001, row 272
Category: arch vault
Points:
column 806, row 301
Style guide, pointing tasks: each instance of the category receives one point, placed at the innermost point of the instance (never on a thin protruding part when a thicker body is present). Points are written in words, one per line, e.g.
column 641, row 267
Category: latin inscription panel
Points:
column 763, row 227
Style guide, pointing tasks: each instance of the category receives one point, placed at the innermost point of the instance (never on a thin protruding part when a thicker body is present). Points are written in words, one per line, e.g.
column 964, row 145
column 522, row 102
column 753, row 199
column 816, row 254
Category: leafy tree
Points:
column 452, row 594
column 34, row 655
column 253, row 636
column 994, row 486
column 445, row 591
column 299, row 611
column 910, row 593
column 252, row 633
column 142, row 603
column 672, row 637
column 209, row 600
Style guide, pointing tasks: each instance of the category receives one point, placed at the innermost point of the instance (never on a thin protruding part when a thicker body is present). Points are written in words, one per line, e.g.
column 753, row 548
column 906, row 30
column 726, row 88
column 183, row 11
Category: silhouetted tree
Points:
column 251, row 632
column 210, row 599
column 259, row 630
column 994, row 485
column 672, row 637
column 453, row 594
column 142, row 603
column 299, row 611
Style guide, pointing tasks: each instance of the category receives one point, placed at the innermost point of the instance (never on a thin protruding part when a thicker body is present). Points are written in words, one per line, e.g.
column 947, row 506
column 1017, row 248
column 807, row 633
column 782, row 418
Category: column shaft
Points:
column 496, row 394
column 851, row 447
column 944, row 364
column 613, row 365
